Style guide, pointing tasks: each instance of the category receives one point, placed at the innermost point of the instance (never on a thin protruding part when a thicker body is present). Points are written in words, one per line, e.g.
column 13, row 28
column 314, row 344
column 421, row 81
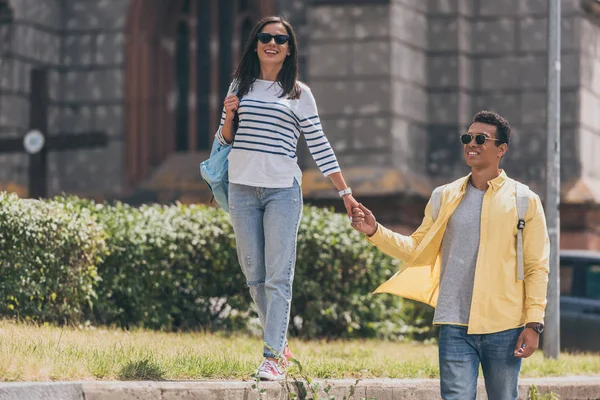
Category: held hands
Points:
column 363, row 220
column 231, row 104
column 528, row 342
column 349, row 204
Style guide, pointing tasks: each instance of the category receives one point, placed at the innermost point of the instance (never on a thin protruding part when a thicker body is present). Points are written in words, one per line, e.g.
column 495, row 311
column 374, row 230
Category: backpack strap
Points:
column 436, row 201
column 236, row 118
column 522, row 199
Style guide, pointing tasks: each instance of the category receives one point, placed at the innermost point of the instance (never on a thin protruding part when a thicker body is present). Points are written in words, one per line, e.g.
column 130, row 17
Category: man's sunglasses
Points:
column 480, row 138
column 267, row 37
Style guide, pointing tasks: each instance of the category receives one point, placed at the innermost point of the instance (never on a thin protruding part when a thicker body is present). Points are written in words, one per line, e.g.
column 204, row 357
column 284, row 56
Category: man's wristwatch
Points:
column 536, row 326
column 344, row 192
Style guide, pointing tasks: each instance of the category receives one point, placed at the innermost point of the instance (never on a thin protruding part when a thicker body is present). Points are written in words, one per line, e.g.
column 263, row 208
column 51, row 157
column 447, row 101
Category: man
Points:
column 464, row 261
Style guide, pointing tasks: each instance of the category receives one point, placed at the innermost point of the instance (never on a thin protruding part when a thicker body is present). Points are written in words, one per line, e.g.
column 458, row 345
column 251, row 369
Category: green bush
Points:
column 49, row 255
column 168, row 267
column 336, row 273
column 171, row 268
column 175, row 267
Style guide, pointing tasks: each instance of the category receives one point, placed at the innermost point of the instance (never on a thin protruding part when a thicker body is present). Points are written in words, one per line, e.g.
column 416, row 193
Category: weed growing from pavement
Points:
column 298, row 387
column 534, row 394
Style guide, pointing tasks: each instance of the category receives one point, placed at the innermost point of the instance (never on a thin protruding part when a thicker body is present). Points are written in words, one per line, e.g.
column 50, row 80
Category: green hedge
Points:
column 175, row 267
column 170, row 268
column 336, row 273
column 49, row 257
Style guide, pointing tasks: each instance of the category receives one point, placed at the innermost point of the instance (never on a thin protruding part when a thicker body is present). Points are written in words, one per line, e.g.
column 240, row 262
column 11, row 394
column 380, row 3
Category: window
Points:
column 593, row 282
column 6, row 13
column 247, row 26
column 566, row 280
column 6, row 19
column 182, row 60
column 580, row 278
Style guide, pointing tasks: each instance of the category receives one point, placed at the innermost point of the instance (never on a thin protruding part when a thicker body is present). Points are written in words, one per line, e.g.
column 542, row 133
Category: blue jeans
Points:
column 265, row 222
column 460, row 357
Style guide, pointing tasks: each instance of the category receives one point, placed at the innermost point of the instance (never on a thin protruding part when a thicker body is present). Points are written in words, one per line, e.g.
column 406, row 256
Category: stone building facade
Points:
column 396, row 81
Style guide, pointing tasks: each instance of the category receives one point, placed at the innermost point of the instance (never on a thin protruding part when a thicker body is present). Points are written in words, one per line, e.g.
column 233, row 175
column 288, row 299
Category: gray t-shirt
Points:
column 459, row 257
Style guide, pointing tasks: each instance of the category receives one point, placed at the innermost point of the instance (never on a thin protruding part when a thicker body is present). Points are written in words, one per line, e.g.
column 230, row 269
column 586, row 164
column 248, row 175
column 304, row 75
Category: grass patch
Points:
column 141, row 370
column 42, row 353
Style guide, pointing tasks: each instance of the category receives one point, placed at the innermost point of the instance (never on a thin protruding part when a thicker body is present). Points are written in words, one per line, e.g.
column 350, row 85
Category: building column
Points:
column 366, row 67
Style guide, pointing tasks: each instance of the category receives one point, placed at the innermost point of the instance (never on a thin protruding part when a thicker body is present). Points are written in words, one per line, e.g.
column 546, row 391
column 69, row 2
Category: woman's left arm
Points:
column 320, row 149
column 340, row 184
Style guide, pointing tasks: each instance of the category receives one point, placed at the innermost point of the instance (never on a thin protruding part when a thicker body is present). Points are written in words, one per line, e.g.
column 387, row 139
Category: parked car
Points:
column 580, row 300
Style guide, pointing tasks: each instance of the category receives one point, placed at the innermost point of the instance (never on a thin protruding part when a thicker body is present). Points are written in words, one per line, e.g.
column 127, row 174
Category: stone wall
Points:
column 33, row 39
column 580, row 217
column 491, row 54
column 349, row 73
column 408, row 34
column 92, row 95
column 367, row 70
column 589, row 112
column 396, row 82
column 81, row 42
column 451, row 85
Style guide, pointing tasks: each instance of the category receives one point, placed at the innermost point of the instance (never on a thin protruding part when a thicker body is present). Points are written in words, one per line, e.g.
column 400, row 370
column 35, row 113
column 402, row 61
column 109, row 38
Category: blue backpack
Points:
column 215, row 173
column 215, row 170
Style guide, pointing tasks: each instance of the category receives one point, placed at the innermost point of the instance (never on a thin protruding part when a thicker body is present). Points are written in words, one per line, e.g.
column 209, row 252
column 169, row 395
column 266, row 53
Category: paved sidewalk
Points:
column 380, row 389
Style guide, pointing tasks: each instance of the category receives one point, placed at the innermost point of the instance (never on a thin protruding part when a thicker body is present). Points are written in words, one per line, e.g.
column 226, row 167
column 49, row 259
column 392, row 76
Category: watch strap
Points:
column 345, row 192
column 538, row 327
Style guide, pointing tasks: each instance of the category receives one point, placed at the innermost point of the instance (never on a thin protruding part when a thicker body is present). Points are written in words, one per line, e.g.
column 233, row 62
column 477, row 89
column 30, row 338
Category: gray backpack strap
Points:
column 522, row 198
column 436, row 200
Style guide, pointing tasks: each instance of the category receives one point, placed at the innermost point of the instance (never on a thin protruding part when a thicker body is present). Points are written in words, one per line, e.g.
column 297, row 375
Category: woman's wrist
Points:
column 346, row 192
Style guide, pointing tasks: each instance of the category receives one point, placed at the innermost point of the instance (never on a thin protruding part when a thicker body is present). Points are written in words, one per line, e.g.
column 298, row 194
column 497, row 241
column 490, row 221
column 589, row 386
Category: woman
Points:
column 265, row 199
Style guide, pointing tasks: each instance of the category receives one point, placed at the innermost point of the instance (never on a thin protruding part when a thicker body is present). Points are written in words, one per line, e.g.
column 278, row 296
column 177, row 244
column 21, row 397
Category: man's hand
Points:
column 363, row 220
column 528, row 342
column 349, row 203
column 231, row 104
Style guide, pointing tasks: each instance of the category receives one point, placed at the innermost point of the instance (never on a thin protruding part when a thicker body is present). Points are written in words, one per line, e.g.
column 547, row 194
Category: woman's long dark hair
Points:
column 248, row 69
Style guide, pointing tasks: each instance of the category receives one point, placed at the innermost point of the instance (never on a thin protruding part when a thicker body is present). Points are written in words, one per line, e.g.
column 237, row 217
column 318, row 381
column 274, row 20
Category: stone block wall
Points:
column 451, row 85
column 367, row 71
column 33, row 39
column 396, row 82
column 92, row 95
column 82, row 44
column 589, row 111
column 491, row 54
column 409, row 115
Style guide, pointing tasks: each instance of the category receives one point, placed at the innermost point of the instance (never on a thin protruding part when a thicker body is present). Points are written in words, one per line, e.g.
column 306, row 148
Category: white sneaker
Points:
column 270, row 371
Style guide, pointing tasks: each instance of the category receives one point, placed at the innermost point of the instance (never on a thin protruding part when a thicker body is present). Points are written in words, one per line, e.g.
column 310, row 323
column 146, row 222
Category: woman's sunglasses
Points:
column 267, row 37
column 480, row 138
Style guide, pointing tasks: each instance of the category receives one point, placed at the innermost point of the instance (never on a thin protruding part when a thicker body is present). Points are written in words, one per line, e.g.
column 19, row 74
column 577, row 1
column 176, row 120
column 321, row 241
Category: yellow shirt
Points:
column 500, row 301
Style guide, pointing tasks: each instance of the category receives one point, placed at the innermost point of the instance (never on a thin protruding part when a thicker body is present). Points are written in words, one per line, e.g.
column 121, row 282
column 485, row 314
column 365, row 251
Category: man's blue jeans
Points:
column 265, row 222
column 460, row 357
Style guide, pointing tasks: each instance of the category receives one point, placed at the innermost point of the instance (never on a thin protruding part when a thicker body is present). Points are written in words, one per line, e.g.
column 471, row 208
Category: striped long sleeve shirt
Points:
column 264, row 148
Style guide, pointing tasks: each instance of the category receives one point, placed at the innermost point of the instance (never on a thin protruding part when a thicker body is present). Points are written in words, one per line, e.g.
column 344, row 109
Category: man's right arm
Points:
column 400, row 246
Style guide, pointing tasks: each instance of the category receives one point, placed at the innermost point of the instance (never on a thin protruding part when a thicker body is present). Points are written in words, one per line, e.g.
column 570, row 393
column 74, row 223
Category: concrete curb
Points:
column 380, row 389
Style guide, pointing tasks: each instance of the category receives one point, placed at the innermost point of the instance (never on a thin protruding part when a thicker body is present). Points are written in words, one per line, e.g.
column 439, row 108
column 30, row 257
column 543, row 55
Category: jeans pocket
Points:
column 240, row 196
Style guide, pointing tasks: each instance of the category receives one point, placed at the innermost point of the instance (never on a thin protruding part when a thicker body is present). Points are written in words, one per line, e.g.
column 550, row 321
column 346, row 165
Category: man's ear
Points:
column 502, row 149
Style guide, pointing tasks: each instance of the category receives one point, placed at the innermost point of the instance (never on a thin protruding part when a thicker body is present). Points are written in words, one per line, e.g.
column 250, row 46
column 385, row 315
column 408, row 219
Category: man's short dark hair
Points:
column 501, row 124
